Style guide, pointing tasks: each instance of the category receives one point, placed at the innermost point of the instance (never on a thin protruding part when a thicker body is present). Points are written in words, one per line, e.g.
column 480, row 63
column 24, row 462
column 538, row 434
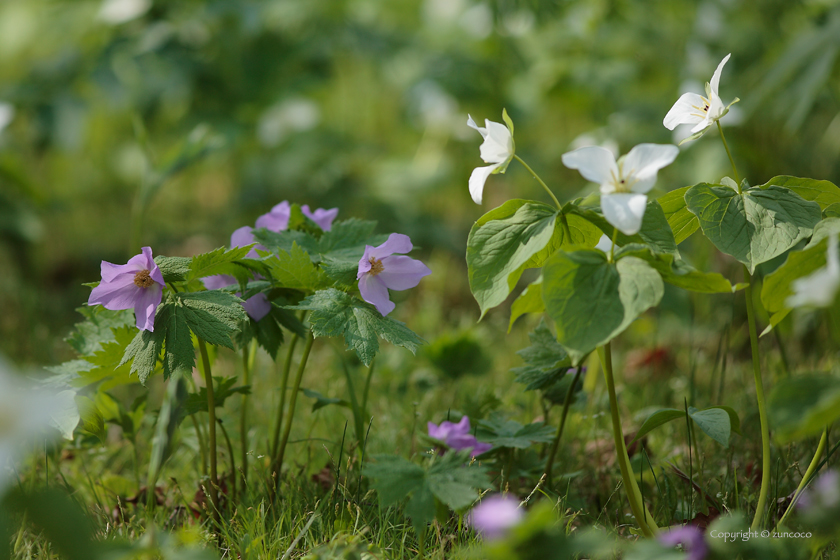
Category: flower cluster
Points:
column 458, row 436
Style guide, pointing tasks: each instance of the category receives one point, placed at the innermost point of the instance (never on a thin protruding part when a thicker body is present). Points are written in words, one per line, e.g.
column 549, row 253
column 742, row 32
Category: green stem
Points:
column 732, row 161
column 281, row 451
column 284, row 382
column 366, row 392
column 556, row 443
column 247, row 360
column 232, row 460
column 211, row 410
column 643, row 518
column 358, row 422
column 506, row 472
column 762, row 407
column 540, row 181
column 812, row 468
column 201, row 446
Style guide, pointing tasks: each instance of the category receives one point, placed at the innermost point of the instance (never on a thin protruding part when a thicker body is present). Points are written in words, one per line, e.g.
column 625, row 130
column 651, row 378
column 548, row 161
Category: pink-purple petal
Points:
column 374, row 292
column 218, row 281
column 110, row 271
column 277, row 219
column 257, row 306
column 324, row 218
column 119, row 293
column 396, row 243
column 401, row 272
column 495, row 515
column 145, row 306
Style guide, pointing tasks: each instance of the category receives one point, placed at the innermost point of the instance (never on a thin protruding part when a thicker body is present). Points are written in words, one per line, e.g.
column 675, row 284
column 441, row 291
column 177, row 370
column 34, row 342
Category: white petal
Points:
column 687, row 110
column 595, row 163
column 815, row 290
column 498, row 143
column 702, row 125
column 604, row 244
column 644, row 161
column 624, row 211
column 833, row 263
column 477, row 179
column 471, row 124
column 716, row 76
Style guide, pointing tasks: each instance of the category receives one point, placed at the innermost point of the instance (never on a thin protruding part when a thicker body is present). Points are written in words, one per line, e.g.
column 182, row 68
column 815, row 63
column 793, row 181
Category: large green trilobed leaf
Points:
column 517, row 235
column 803, row 406
column 529, row 301
column 683, row 223
column 824, row 193
column 680, row 274
column 591, row 300
column 777, row 286
column 655, row 233
column 753, row 226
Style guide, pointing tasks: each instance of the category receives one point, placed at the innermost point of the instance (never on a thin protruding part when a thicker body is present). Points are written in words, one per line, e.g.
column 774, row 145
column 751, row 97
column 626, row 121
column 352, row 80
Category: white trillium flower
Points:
column 624, row 183
column 497, row 149
column 819, row 288
column 700, row 111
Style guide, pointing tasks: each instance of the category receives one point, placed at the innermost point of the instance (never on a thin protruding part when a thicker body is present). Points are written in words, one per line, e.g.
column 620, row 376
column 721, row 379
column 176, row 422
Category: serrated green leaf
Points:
column 529, row 301
column 91, row 419
column 179, row 353
column 213, row 315
column 348, row 234
column 342, row 271
column 294, row 270
column 143, row 353
column 105, row 364
column 755, row 225
column 334, row 313
column 218, row 261
column 266, row 331
column 89, row 335
column 824, row 193
column 655, row 233
column 504, row 242
column 683, row 223
column 223, row 388
column 174, row 269
column 592, row 301
column 511, row 434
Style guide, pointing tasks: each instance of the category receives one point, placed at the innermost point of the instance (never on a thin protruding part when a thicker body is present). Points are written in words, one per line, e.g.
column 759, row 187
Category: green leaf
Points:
column 832, row 211
column 504, row 242
column 321, row 401
column 334, row 313
column 143, row 353
column 824, row 193
column 342, row 271
column 683, row 223
column 213, row 315
column 511, row 434
column 294, row 270
column 179, row 353
column 65, row 416
column 529, row 301
column 546, row 360
column 716, row 421
column 680, row 274
column 774, row 320
column 266, row 331
column 88, row 336
column 92, row 421
column 167, row 422
column 105, row 364
column 223, row 388
column 450, row 479
column 174, row 269
column 803, row 406
column 592, row 301
column 655, row 233
column 755, row 225
column 218, row 261
column 777, row 286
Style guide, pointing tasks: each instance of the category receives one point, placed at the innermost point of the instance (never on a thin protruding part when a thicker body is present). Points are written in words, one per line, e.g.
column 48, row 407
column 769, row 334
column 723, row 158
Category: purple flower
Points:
column 277, row 219
column 380, row 269
column 458, row 437
column 824, row 492
column 256, row 306
column 324, row 218
column 138, row 284
column 495, row 515
column 690, row 537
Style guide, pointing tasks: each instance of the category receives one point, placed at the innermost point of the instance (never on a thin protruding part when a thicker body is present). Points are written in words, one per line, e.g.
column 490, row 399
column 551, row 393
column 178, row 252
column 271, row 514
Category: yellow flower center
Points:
column 142, row 279
column 376, row 266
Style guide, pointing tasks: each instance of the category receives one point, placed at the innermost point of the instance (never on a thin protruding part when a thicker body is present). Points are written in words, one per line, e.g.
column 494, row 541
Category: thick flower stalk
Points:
column 624, row 183
column 457, row 436
column 138, row 284
column 497, row 149
column 702, row 112
column 380, row 269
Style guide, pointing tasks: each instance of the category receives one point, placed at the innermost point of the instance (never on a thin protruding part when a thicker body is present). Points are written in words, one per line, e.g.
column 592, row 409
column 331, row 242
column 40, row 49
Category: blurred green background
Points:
column 200, row 115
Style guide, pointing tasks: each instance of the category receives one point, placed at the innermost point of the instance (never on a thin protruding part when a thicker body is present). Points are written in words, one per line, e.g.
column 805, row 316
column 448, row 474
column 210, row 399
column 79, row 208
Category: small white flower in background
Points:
column 497, row 149
column 819, row 288
column 116, row 12
column 700, row 111
column 7, row 113
column 625, row 182
column 27, row 416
